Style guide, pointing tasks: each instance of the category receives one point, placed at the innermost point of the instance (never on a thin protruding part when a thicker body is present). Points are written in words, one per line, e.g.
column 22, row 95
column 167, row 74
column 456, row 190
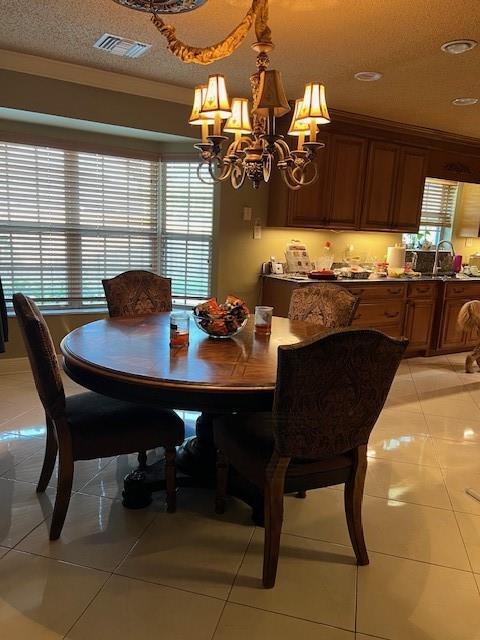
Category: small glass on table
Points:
column 179, row 329
column 263, row 321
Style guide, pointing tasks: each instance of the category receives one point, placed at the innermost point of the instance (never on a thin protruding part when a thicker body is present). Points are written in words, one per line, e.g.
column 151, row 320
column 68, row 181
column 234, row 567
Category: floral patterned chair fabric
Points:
column 137, row 293
column 330, row 391
column 88, row 425
column 326, row 304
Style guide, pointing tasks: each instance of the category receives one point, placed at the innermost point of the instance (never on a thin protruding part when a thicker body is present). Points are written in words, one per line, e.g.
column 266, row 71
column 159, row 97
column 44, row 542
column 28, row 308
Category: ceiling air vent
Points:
column 121, row 46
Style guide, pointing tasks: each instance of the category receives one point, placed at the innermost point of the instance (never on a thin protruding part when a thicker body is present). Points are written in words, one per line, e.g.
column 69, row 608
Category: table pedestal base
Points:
column 195, row 468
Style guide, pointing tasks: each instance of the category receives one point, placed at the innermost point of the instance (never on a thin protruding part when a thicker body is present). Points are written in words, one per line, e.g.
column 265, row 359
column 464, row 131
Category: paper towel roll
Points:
column 396, row 257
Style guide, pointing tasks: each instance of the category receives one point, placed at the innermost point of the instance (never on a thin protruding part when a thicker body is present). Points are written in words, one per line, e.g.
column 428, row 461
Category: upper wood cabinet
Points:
column 394, row 187
column 307, row 206
column 344, row 189
column 335, row 200
column 410, row 185
column 382, row 168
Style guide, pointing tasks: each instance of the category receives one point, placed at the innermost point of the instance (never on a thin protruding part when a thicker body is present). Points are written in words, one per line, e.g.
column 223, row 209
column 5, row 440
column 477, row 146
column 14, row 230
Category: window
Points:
column 438, row 209
column 69, row 219
column 187, row 228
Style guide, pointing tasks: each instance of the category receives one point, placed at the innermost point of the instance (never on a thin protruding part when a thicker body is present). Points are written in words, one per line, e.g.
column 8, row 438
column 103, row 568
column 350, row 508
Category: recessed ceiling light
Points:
column 464, row 102
column 368, row 76
column 458, row 46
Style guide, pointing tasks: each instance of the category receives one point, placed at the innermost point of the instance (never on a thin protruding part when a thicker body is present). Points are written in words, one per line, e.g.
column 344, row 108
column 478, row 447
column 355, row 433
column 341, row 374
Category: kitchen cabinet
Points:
column 362, row 185
column 418, row 324
column 335, row 200
column 451, row 336
column 307, row 207
column 394, row 188
column 382, row 168
column 407, row 208
column 345, row 181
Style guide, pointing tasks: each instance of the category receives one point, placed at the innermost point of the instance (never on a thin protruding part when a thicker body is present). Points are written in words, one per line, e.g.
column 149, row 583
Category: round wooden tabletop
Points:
column 131, row 358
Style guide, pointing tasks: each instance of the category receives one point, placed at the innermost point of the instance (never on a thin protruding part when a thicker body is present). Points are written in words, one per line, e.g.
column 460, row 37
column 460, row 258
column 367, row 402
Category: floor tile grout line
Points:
column 90, row 602
column 382, row 553
column 53, row 559
column 288, row 615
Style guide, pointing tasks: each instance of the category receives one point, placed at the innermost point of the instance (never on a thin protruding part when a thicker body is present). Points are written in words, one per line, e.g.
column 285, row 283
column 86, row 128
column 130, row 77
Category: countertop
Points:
column 291, row 278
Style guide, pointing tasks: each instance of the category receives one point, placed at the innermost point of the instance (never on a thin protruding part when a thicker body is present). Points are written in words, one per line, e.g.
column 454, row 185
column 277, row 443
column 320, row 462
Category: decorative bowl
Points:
column 218, row 328
column 221, row 320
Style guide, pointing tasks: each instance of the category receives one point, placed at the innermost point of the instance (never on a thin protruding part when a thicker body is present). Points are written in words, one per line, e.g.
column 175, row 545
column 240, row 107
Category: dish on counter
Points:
column 221, row 320
column 323, row 274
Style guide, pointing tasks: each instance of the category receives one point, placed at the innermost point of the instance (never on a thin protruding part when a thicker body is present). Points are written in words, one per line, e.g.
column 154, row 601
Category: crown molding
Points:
column 79, row 74
column 357, row 119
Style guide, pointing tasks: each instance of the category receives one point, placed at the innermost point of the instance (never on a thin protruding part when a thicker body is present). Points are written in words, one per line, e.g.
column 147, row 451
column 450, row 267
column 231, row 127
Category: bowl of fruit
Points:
column 223, row 320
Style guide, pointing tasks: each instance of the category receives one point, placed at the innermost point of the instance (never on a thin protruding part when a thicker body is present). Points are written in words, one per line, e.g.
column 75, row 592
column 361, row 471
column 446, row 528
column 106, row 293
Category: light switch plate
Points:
column 257, row 230
column 247, row 214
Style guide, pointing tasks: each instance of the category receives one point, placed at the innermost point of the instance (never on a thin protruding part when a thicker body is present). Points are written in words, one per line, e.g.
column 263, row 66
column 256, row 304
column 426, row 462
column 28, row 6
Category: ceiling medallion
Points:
column 162, row 6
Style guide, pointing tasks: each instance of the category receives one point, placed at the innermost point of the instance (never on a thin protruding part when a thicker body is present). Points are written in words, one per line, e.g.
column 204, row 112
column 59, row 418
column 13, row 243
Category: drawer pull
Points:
column 391, row 314
column 394, row 292
column 422, row 289
column 458, row 289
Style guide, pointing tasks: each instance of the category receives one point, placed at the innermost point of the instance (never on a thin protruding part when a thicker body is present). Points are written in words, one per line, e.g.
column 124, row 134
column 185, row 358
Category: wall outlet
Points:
column 257, row 230
column 247, row 214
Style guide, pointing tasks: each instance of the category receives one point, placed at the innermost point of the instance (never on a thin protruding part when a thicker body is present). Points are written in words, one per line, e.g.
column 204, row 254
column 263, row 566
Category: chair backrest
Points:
column 330, row 391
column 41, row 354
column 137, row 293
column 326, row 304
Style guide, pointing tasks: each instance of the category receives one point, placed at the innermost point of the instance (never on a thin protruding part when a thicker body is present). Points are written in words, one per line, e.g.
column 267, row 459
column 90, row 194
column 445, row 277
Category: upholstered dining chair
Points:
column 329, row 393
column 88, row 425
column 137, row 293
column 326, row 304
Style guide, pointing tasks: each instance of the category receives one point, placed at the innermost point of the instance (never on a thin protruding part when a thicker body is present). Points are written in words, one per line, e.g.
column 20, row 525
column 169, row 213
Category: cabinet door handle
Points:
column 391, row 314
column 394, row 291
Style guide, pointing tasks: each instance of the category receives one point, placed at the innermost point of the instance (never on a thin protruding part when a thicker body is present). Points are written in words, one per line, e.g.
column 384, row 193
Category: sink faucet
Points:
column 435, row 264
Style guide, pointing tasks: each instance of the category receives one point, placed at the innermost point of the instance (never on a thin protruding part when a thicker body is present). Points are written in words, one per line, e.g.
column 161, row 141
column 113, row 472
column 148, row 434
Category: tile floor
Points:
column 119, row 574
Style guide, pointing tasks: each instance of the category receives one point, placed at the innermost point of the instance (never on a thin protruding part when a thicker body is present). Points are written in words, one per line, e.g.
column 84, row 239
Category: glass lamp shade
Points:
column 298, row 127
column 239, row 121
column 271, row 96
column 198, row 100
column 216, row 103
column 314, row 104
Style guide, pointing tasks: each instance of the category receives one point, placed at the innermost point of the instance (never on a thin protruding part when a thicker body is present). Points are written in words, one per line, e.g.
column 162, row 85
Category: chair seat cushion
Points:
column 248, row 442
column 103, row 426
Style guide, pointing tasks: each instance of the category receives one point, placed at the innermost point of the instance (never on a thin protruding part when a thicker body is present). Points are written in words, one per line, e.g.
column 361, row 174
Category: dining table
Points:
column 131, row 359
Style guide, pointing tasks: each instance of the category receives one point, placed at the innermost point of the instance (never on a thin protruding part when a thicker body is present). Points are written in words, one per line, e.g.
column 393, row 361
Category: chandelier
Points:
column 257, row 148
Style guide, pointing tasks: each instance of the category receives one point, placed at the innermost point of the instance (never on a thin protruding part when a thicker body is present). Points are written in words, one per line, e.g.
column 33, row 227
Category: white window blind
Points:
column 439, row 201
column 69, row 219
column 186, row 231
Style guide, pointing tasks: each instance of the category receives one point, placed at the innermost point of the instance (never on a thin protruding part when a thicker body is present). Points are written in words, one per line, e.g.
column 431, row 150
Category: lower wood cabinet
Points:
column 418, row 324
column 424, row 311
column 451, row 336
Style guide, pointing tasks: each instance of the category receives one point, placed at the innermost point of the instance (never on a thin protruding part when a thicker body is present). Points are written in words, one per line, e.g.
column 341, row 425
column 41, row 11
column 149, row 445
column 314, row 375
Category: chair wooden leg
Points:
column 274, row 490
column 50, row 458
column 353, row 504
column 142, row 460
column 171, row 478
column 222, row 480
column 64, row 491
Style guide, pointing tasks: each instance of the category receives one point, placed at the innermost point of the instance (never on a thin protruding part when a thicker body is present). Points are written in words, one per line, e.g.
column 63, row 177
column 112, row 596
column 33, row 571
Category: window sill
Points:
column 67, row 312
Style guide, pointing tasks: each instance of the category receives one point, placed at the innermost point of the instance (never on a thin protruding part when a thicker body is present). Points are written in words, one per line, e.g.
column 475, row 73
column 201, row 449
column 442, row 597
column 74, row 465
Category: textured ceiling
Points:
column 327, row 40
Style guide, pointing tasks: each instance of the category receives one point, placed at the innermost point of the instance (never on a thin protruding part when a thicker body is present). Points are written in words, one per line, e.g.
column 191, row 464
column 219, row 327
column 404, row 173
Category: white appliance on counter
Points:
column 298, row 260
